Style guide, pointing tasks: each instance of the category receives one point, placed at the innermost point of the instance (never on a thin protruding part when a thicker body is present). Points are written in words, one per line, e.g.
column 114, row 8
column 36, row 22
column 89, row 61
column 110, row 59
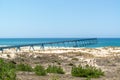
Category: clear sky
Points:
column 59, row 18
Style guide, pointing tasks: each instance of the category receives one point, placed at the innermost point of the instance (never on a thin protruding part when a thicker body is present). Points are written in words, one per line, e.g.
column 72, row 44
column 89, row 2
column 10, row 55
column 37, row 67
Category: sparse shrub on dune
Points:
column 24, row 67
column 86, row 55
column 71, row 64
column 54, row 77
column 40, row 70
column 75, row 59
column 7, row 70
column 87, row 71
column 55, row 69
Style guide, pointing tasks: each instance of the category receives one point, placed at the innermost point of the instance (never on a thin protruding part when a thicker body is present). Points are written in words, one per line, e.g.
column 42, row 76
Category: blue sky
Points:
column 59, row 18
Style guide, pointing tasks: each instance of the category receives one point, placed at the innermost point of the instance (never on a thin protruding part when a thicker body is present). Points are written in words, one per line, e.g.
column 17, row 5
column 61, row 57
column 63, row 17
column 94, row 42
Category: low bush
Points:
column 87, row 71
column 75, row 59
column 54, row 77
column 55, row 69
column 7, row 70
column 71, row 64
column 40, row 70
column 24, row 67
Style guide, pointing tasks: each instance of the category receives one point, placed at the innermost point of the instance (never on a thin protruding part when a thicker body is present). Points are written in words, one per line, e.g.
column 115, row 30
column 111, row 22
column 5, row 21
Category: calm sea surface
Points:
column 102, row 42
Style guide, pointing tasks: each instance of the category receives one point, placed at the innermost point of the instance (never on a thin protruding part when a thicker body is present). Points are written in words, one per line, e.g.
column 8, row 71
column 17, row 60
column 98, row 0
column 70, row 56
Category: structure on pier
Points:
column 69, row 43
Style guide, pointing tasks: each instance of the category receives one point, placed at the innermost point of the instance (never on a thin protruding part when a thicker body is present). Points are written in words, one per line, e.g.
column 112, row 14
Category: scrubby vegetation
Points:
column 7, row 70
column 39, row 70
column 55, row 69
column 75, row 59
column 87, row 71
column 71, row 64
column 24, row 67
column 54, row 77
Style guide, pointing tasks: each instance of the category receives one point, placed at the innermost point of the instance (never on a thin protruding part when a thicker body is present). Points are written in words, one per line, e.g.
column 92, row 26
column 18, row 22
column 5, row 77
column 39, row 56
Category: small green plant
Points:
column 39, row 70
column 55, row 77
column 75, row 59
column 24, row 67
column 7, row 70
column 87, row 71
column 71, row 64
column 58, row 63
column 8, row 56
column 88, row 79
column 55, row 69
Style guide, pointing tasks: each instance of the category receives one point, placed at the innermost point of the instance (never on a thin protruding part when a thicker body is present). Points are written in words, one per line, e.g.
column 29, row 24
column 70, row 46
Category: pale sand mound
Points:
column 96, row 52
column 108, row 59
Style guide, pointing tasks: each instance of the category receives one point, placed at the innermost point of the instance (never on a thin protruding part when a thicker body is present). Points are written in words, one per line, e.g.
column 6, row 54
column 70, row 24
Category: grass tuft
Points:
column 75, row 59
column 24, row 67
column 87, row 71
column 55, row 69
column 7, row 70
column 39, row 70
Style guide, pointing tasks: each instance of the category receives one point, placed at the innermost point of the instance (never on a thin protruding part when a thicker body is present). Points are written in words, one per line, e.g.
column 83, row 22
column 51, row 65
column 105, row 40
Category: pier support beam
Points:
column 31, row 47
column 69, row 43
column 18, row 49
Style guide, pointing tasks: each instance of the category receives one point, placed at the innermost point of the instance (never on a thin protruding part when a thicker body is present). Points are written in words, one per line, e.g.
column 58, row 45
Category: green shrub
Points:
column 54, row 77
column 75, row 59
column 58, row 63
column 7, row 70
column 24, row 67
column 87, row 71
column 39, row 70
column 71, row 64
column 11, row 65
column 55, row 69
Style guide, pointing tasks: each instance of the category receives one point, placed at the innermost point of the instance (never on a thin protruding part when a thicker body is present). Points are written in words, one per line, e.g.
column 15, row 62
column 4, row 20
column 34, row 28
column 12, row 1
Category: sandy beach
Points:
column 96, row 52
column 106, row 58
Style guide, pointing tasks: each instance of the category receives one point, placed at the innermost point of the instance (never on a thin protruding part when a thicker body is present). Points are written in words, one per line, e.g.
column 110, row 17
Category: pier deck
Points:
column 68, row 43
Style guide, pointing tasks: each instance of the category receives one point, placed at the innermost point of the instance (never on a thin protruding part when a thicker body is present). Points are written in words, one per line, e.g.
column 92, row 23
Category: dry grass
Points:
column 86, row 55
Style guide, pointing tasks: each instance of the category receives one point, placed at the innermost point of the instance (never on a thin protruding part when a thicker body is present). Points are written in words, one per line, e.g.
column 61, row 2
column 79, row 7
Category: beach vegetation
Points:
column 55, row 69
column 71, row 64
column 86, row 71
column 58, row 63
column 54, row 77
column 75, row 59
column 24, row 67
column 7, row 70
column 8, row 56
column 40, row 70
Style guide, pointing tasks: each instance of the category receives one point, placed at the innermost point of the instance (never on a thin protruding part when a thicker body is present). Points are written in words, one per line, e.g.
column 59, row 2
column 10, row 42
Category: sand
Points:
column 97, row 52
column 106, row 58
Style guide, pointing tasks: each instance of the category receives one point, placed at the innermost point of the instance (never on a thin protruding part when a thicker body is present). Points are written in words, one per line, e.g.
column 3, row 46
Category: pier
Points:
column 68, row 43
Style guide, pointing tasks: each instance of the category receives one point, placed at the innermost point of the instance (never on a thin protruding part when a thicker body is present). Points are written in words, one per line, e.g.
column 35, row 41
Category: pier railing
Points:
column 68, row 43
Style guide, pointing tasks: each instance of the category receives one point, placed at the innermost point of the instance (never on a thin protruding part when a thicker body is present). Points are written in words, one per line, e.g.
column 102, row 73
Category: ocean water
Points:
column 107, row 42
column 102, row 42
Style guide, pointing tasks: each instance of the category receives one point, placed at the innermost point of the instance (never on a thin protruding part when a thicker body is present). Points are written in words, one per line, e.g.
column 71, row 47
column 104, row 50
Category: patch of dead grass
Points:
column 86, row 55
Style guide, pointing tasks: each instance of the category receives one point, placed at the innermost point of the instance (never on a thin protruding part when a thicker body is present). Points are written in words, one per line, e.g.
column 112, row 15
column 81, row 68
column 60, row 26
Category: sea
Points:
column 102, row 42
